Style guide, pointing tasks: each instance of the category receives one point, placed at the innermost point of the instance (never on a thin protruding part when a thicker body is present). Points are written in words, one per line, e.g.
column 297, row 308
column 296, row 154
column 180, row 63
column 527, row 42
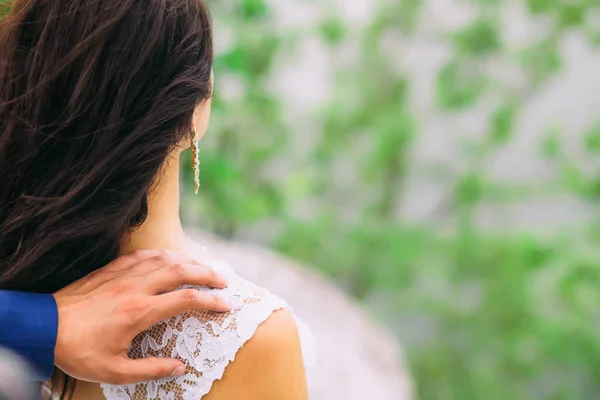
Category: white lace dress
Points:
column 205, row 341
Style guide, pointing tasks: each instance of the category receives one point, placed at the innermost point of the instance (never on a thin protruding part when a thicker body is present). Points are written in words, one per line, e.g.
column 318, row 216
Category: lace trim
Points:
column 205, row 342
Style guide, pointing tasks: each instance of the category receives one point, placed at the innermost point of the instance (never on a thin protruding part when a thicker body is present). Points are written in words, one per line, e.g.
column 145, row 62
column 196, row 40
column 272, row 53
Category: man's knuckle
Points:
column 130, row 258
column 160, row 371
column 209, row 301
column 112, row 266
column 136, row 254
column 178, row 269
column 137, row 309
column 189, row 296
column 215, row 301
column 139, row 305
column 122, row 288
column 160, row 259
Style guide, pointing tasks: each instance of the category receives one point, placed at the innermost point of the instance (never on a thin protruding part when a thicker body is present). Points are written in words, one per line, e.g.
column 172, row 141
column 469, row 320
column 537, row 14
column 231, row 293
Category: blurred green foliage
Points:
column 496, row 316
column 481, row 314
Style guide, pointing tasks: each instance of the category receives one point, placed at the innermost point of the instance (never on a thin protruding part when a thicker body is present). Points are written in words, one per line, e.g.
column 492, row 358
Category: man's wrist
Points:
column 32, row 327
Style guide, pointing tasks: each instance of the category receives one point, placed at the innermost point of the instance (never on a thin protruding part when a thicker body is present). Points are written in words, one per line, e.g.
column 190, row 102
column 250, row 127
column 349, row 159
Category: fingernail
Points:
column 178, row 371
column 219, row 282
column 223, row 305
column 223, row 281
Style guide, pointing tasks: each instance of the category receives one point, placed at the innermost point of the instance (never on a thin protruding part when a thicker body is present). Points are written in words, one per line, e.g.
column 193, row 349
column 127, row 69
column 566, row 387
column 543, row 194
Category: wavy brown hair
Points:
column 94, row 94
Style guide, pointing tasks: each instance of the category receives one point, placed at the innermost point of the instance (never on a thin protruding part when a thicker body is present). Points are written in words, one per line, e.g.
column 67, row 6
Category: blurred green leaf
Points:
column 469, row 189
column 572, row 13
column 235, row 60
column 254, row 8
column 550, row 146
column 480, row 37
column 574, row 179
column 407, row 13
column 592, row 139
column 393, row 134
column 541, row 6
column 333, row 31
column 502, row 122
column 542, row 59
column 458, row 86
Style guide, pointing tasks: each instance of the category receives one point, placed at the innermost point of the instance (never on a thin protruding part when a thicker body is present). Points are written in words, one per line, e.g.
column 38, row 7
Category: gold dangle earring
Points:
column 195, row 163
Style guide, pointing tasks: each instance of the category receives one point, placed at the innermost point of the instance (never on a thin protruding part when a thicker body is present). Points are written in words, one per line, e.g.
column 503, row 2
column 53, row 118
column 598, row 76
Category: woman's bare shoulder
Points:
column 269, row 366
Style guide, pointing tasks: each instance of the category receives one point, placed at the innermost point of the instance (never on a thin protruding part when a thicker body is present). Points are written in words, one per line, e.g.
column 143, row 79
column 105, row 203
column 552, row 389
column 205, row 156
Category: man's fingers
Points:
column 146, row 369
column 176, row 269
column 179, row 270
column 111, row 270
column 143, row 260
column 171, row 304
column 162, row 260
column 133, row 259
column 173, row 276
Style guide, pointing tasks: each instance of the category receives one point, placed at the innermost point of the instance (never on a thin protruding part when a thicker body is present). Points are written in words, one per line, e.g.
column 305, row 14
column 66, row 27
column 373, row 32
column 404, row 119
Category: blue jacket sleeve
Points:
column 29, row 326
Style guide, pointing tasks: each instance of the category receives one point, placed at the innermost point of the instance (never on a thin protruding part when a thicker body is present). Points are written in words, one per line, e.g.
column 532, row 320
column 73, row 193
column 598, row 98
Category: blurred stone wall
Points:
column 356, row 358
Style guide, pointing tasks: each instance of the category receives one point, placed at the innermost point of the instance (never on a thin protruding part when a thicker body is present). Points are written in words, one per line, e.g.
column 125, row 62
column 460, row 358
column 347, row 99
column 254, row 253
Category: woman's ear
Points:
column 201, row 115
column 201, row 118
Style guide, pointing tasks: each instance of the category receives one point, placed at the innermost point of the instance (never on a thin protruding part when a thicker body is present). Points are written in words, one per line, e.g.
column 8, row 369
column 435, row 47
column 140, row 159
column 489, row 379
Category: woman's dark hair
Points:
column 94, row 94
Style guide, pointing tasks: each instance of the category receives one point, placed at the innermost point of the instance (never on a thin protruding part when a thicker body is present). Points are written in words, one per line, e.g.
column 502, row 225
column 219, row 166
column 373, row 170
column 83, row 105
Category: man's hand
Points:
column 99, row 315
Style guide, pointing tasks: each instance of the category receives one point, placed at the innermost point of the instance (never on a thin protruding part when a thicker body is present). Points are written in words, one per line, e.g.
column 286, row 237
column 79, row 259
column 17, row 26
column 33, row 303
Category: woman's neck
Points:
column 162, row 228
